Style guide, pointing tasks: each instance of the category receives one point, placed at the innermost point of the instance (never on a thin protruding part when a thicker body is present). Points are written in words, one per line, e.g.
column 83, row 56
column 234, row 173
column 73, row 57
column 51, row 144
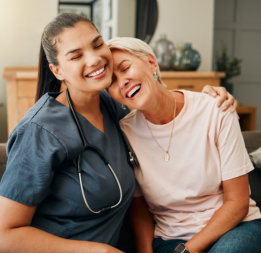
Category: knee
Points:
column 244, row 238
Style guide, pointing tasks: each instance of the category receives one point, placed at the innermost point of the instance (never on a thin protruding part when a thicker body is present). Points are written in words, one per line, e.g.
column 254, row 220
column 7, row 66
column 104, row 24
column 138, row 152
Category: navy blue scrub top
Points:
column 41, row 171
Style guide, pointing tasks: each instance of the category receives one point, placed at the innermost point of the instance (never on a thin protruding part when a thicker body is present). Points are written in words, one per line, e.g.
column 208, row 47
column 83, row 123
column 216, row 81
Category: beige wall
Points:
column 22, row 22
column 188, row 21
column 21, row 25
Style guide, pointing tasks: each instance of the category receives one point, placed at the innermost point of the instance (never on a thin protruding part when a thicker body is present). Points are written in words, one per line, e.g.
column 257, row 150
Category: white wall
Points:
column 21, row 25
column 188, row 21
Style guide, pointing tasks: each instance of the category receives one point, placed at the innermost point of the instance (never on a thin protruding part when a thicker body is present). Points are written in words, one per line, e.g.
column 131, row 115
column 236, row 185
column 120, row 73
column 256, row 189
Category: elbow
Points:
column 243, row 209
column 3, row 241
column 6, row 241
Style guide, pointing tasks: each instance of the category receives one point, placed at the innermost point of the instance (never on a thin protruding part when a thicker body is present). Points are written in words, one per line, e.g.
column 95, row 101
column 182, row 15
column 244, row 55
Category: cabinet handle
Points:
column 186, row 86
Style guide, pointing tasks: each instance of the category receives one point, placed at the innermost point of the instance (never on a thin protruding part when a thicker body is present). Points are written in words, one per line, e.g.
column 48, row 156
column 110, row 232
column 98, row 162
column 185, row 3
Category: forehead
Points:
column 81, row 32
column 122, row 55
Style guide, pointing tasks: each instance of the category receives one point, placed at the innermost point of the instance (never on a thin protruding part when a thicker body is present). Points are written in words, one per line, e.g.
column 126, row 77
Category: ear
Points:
column 153, row 63
column 56, row 72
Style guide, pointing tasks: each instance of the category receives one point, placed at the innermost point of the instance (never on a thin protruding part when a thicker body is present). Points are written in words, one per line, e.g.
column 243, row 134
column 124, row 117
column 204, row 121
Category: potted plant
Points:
column 231, row 67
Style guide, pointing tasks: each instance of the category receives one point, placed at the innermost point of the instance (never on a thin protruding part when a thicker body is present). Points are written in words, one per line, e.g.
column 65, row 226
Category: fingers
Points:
column 210, row 90
column 225, row 99
column 223, row 96
column 229, row 103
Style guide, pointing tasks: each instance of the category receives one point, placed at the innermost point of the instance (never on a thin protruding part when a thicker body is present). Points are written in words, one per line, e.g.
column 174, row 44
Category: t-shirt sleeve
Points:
column 234, row 158
column 33, row 154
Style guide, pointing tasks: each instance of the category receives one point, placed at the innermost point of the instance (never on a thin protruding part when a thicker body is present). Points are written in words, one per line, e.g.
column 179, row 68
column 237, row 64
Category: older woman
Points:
column 193, row 162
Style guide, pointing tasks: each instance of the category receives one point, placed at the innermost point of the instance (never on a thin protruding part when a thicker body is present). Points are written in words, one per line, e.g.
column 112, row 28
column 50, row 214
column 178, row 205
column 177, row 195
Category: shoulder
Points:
column 199, row 98
column 115, row 108
column 131, row 119
column 201, row 104
column 50, row 121
column 201, row 110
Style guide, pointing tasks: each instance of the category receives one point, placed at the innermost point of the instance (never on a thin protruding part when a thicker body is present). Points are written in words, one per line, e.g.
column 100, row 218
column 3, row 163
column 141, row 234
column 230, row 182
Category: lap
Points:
column 243, row 238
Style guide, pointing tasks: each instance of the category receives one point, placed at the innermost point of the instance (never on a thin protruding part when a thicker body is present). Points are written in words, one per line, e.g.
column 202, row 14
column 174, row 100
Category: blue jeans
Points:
column 245, row 237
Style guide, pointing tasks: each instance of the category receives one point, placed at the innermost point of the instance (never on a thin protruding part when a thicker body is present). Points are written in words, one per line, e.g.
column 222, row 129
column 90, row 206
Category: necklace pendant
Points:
column 166, row 157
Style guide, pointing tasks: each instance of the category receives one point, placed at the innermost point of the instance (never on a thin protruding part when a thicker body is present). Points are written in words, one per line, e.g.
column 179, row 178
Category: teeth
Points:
column 96, row 72
column 136, row 88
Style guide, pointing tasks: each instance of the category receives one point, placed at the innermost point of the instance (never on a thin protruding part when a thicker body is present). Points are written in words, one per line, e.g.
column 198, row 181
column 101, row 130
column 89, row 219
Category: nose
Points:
column 123, row 84
column 92, row 59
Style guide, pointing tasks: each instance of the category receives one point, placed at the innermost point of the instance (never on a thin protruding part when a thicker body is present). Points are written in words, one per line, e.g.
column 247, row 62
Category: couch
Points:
column 252, row 141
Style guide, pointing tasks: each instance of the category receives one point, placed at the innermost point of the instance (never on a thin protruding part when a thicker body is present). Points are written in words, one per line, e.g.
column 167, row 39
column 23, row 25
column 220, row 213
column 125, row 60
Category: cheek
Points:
column 114, row 91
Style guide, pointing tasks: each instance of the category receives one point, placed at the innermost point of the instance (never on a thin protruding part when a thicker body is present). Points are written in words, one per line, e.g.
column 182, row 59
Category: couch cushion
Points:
column 253, row 142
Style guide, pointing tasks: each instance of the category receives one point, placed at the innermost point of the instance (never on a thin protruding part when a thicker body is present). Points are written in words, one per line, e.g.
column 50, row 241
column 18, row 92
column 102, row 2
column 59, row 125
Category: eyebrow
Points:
column 79, row 49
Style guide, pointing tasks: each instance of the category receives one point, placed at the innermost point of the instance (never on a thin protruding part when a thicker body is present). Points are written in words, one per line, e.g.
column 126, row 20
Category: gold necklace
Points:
column 166, row 156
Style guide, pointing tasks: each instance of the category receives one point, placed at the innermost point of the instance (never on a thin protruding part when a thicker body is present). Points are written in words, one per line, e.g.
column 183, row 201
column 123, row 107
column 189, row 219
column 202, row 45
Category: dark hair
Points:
column 47, row 82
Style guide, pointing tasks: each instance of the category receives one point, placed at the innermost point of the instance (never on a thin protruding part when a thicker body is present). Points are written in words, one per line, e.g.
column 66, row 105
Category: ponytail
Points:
column 46, row 82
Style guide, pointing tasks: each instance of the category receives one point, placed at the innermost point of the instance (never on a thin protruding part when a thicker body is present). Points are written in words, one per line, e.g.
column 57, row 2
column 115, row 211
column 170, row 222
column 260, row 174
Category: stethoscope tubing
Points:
column 79, row 170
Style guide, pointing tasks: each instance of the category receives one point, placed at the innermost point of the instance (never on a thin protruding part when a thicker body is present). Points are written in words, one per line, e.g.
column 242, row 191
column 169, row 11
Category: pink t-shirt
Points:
column 207, row 148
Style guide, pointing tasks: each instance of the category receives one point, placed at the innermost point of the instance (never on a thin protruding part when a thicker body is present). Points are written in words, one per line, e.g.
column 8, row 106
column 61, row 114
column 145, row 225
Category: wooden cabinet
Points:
column 247, row 117
column 190, row 80
column 20, row 92
column 21, row 85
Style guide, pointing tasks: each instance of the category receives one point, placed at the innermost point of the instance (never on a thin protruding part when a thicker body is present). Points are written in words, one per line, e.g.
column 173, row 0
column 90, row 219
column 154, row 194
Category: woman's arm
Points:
column 16, row 234
column 233, row 210
column 226, row 100
column 143, row 225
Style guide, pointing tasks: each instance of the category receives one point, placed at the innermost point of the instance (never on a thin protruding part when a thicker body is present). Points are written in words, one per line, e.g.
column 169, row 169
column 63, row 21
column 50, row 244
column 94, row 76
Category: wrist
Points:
column 181, row 248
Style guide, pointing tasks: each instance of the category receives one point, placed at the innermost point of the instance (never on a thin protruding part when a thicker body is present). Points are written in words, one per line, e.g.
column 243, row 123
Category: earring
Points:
column 155, row 76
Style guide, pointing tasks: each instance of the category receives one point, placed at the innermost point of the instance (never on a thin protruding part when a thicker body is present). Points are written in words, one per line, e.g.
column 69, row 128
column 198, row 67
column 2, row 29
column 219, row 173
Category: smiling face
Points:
column 84, row 60
column 133, row 83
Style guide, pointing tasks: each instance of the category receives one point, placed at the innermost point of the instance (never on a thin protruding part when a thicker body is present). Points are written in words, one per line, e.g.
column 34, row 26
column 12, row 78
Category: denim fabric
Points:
column 244, row 238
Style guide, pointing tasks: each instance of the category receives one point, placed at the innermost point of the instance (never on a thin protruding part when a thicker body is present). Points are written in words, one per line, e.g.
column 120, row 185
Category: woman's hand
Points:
column 234, row 209
column 225, row 98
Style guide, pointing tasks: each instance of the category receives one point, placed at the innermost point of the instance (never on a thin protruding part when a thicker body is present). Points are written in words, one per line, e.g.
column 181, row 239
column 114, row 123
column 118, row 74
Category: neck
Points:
column 83, row 103
column 87, row 104
column 162, row 108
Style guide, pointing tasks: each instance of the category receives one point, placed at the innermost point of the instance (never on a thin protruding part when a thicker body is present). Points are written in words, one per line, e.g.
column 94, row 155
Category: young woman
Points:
column 43, row 208
column 68, row 182
column 193, row 162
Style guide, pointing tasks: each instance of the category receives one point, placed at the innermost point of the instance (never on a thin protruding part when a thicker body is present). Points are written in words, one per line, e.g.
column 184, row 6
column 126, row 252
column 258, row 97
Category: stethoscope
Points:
column 132, row 159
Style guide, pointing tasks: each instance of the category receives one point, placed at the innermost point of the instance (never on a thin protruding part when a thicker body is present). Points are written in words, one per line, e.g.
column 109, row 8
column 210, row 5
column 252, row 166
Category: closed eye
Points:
column 76, row 57
column 125, row 68
column 99, row 45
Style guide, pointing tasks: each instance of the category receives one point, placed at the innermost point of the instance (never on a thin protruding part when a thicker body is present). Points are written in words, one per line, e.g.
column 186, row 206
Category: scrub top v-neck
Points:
column 41, row 171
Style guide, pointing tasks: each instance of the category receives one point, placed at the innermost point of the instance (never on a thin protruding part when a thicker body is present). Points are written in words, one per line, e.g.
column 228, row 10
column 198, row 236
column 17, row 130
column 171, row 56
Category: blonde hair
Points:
column 134, row 46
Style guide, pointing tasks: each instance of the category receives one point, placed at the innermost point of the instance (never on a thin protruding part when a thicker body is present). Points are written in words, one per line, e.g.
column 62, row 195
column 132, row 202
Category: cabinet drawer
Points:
column 189, row 84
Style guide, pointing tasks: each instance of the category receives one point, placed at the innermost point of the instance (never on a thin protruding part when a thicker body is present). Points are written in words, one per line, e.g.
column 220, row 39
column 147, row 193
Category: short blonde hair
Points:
column 134, row 46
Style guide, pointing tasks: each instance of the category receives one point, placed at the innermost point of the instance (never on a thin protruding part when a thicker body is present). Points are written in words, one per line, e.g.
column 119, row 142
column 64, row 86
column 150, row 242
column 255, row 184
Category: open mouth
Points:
column 135, row 90
column 97, row 72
